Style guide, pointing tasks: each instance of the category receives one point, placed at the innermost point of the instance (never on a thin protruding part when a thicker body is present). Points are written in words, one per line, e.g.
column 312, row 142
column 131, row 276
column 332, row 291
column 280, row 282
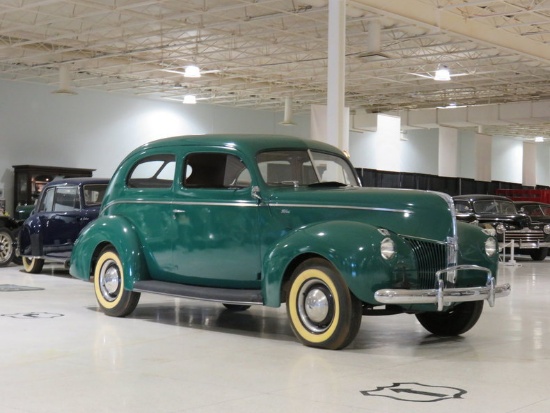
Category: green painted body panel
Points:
column 229, row 238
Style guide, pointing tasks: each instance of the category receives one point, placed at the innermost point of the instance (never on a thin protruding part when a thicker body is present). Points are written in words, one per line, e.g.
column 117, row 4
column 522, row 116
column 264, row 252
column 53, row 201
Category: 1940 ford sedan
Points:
column 266, row 220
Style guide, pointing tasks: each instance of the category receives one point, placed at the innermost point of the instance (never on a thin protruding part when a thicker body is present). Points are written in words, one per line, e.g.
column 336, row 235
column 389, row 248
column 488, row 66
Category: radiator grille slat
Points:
column 430, row 257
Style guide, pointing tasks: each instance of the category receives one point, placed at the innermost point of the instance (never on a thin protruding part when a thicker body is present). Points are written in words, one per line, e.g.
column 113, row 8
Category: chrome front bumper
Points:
column 445, row 296
column 527, row 245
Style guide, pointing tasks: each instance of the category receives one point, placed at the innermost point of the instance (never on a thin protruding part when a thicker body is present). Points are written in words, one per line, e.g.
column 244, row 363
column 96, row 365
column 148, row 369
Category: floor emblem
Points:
column 33, row 315
column 416, row 392
column 12, row 287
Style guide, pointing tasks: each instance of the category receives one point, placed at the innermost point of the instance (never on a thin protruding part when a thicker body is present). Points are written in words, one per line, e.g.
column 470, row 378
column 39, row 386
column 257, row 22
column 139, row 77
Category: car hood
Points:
column 412, row 213
column 521, row 221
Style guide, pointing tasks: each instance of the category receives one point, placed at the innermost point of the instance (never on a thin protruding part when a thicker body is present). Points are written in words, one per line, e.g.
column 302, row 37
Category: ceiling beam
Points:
column 433, row 17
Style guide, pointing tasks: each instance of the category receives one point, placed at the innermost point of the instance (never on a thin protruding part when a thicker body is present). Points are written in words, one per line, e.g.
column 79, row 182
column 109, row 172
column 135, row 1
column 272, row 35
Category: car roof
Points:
column 522, row 203
column 78, row 181
column 480, row 197
column 251, row 143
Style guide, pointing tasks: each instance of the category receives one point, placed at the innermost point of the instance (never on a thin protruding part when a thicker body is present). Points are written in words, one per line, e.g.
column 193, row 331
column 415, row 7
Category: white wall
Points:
column 507, row 157
column 418, row 153
column 96, row 130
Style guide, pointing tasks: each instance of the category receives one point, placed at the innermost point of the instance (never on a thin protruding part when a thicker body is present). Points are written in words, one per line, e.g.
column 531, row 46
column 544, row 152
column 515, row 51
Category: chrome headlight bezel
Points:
column 546, row 229
column 387, row 248
column 500, row 228
column 491, row 246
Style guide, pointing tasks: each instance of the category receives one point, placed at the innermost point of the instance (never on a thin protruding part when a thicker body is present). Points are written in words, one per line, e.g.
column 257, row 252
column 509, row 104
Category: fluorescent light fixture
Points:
column 189, row 99
column 539, row 139
column 442, row 74
column 192, row 71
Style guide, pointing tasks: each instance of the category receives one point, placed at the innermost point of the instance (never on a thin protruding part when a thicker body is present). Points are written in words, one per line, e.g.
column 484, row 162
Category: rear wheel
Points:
column 454, row 322
column 111, row 296
column 7, row 250
column 538, row 254
column 322, row 310
column 33, row 265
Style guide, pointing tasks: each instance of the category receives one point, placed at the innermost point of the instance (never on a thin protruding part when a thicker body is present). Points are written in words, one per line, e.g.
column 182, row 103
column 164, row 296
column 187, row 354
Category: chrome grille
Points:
column 525, row 236
column 430, row 257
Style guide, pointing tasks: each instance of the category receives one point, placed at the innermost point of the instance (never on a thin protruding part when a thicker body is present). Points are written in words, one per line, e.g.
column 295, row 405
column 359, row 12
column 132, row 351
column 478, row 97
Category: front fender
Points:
column 109, row 230
column 352, row 247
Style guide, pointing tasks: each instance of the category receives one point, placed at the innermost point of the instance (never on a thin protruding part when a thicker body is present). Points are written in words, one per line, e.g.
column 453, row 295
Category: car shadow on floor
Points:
column 257, row 321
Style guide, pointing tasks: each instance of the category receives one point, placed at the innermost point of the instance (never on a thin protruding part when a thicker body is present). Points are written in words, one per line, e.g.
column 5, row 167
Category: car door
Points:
column 59, row 216
column 217, row 222
column 146, row 203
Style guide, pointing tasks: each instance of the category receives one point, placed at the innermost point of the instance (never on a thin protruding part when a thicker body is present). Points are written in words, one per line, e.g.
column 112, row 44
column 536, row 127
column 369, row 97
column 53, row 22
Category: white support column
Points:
column 337, row 122
column 448, row 148
column 483, row 155
column 529, row 177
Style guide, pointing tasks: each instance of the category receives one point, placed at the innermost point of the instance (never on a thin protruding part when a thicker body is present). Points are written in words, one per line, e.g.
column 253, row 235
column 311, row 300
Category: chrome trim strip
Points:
column 442, row 296
column 253, row 203
column 401, row 211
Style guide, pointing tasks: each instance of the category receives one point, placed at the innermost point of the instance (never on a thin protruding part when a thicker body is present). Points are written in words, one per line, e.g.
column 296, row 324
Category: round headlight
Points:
column 387, row 248
column 501, row 229
column 490, row 246
column 546, row 229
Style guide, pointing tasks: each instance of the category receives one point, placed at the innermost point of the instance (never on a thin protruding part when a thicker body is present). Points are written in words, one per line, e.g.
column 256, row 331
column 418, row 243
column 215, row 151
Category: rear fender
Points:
column 113, row 231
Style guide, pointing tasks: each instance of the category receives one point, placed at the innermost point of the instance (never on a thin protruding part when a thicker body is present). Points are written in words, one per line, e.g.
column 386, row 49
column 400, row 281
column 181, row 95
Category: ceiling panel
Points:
column 254, row 54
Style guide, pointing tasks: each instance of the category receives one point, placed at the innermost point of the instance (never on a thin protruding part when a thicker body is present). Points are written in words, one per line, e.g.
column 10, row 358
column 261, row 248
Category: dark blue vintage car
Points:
column 64, row 208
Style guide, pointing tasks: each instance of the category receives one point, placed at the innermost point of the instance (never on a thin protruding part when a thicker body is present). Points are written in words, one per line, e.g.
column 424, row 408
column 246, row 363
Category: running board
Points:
column 222, row 295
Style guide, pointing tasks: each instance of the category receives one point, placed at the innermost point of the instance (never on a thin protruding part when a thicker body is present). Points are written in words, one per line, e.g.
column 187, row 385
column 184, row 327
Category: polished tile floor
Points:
column 58, row 354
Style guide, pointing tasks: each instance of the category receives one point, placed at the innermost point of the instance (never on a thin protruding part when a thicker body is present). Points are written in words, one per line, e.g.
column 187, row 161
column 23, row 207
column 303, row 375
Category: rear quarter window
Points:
column 155, row 171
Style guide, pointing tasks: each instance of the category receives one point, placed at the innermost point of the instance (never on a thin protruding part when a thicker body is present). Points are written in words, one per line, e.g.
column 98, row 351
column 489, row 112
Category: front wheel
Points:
column 539, row 254
column 7, row 249
column 33, row 265
column 454, row 322
column 111, row 296
column 322, row 310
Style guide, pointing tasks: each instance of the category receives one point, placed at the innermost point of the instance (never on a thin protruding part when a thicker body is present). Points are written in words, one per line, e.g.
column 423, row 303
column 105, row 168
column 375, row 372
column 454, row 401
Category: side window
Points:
column 46, row 203
column 66, row 199
column 93, row 193
column 462, row 207
column 155, row 171
column 215, row 170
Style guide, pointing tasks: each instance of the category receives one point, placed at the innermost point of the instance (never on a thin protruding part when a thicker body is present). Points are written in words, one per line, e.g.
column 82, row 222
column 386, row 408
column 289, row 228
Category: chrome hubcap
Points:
column 109, row 280
column 315, row 306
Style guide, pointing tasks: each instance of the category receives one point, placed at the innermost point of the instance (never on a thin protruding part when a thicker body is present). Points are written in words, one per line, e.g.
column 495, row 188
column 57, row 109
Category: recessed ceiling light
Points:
column 192, row 71
column 442, row 74
column 189, row 99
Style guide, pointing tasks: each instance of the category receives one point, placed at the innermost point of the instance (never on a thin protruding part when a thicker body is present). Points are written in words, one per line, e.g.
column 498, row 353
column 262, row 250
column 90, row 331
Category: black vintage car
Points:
column 538, row 211
column 530, row 235
column 8, row 234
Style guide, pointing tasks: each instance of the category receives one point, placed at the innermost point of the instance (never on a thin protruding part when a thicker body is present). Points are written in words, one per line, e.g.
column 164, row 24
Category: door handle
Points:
column 176, row 212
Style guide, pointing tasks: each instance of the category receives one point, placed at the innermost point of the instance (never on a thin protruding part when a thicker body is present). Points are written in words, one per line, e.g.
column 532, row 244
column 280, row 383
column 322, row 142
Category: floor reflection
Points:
column 257, row 321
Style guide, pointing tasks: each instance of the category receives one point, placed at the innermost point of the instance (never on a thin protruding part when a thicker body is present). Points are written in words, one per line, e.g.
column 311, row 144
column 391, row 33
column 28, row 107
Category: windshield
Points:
column 303, row 168
column 492, row 206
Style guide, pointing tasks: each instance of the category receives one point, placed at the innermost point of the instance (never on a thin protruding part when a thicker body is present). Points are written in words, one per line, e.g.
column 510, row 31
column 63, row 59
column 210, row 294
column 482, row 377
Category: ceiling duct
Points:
column 288, row 121
column 64, row 81
column 374, row 48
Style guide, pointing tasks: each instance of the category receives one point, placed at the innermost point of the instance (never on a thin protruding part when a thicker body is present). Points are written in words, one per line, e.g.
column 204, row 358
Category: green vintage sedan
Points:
column 266, row 220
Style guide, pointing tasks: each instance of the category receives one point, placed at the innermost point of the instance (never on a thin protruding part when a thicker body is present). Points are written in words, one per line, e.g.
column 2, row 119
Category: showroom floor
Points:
column 58, row 353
